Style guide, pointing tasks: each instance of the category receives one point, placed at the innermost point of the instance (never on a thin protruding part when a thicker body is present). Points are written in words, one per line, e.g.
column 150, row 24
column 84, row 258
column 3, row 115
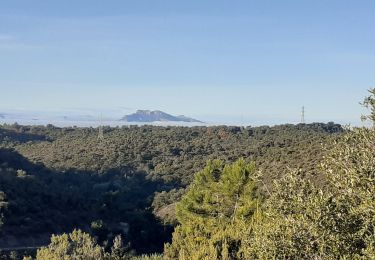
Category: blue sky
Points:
column 229, row 61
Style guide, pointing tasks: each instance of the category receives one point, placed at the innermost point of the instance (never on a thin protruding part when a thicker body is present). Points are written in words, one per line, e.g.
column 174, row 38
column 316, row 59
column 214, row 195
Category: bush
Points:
column 76, row 245
column 335, row 222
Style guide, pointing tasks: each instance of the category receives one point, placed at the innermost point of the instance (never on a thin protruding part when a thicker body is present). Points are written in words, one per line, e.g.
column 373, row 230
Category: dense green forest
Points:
column 222, row 216
column 302, row 191
column 54, row 180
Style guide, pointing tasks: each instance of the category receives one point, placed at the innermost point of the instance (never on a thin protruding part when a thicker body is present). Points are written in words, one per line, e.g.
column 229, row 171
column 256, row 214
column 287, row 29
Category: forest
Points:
column 301, row 191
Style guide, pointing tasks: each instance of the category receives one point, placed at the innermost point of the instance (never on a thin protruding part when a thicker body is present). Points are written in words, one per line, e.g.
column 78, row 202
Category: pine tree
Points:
column 220, row 201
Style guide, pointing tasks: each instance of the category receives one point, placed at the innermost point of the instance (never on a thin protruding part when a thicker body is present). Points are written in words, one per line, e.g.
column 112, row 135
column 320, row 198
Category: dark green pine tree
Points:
column 220, row 202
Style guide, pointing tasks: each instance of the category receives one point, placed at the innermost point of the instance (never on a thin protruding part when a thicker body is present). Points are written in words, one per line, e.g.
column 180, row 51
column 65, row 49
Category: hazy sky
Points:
column 216, row 60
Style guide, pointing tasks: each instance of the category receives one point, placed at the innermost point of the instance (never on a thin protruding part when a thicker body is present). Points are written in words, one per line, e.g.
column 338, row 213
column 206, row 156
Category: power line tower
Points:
column 101, row 132
column 303, row 115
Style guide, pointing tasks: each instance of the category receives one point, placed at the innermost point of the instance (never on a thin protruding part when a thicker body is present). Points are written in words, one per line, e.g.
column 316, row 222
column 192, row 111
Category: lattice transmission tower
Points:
column 303, row 115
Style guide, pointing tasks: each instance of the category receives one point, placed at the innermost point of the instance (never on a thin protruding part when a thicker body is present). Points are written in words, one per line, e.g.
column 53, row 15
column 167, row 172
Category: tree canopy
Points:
column 60, row 179
column 299, row 220
column 76, row 245
column 220, row 199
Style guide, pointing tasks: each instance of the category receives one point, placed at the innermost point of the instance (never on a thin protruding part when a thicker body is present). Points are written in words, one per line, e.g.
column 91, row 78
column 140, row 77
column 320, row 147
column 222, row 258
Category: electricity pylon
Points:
column 303, row 115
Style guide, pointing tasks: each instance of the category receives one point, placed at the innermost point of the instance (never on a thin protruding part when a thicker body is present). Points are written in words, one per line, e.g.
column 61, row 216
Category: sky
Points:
column 254, row 62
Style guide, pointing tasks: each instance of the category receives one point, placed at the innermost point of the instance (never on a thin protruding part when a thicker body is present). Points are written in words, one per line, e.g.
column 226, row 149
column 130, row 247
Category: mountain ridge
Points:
column 156, row 116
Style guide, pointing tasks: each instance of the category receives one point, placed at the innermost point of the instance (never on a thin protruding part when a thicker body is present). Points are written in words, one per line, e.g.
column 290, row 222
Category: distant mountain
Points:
column 156, row 116
column 2, row 116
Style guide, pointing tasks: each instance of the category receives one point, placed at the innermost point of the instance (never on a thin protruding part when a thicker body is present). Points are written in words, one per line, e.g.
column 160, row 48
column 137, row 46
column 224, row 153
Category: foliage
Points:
column 58, row 179
column 81, row 246
column 76, row 245
column 220, row 199
column 301, row 221
column 119, row 251
column 149, row 257
column 369, row 103
column 164, row 204
column 43, row 202
column 171, row 154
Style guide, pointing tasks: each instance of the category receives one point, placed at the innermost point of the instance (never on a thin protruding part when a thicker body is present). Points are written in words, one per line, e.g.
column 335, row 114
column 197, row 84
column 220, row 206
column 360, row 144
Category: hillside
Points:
column 57, row 179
